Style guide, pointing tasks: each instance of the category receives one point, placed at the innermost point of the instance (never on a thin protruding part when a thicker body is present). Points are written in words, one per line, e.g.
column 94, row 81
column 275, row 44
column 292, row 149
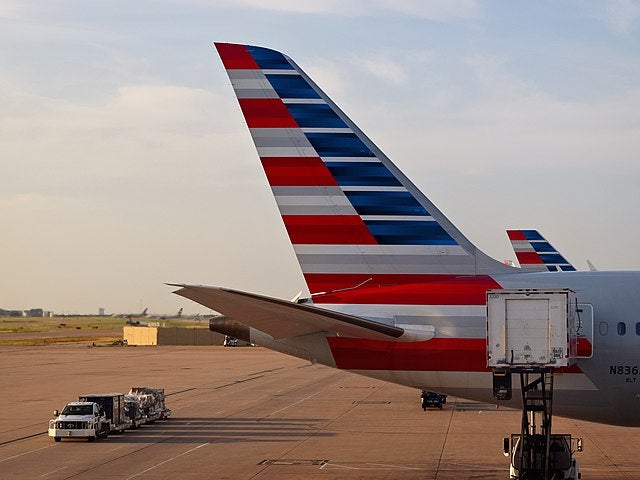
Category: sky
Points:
column 125, row 162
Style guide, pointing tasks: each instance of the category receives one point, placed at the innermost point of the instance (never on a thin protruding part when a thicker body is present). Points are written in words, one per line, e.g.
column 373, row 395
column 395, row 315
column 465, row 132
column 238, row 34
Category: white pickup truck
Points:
column 78, row 420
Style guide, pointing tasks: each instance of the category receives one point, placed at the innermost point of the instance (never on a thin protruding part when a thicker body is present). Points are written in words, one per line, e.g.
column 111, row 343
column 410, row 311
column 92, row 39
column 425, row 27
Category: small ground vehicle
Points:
column 79, row 420
column 230, row 341
column 527, row 457
column 432, row 399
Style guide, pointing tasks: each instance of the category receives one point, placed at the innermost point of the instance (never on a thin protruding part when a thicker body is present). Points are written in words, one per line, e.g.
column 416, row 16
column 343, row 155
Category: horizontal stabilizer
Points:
column 281, row 318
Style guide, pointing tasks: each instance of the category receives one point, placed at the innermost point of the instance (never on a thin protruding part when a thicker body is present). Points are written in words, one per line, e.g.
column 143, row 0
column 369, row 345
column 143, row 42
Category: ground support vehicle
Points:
column 528, row 456
column 230, row 341
column 133, row 411
column 150, row 402
column 532, row 333
column 432, row 399
column 79, row 420
column 113, row 405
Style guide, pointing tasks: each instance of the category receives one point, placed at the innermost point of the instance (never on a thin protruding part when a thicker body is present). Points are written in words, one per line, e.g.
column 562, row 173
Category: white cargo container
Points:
column 531, row 328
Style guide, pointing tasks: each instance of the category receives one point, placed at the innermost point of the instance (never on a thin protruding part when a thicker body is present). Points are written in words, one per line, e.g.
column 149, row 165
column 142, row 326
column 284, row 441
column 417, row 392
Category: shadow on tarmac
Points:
column 222, row 430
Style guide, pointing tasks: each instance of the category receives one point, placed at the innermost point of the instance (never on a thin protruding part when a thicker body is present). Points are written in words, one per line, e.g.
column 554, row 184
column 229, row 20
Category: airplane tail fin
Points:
column 536, row 254
column 352, row 216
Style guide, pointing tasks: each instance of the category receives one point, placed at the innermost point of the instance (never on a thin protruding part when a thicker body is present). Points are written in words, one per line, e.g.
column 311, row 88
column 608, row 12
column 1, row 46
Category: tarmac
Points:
column 250, row 413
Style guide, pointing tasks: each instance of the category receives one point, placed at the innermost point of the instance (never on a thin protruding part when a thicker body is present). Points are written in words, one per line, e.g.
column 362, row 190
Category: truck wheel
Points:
column 57, row 439
column 91, row 439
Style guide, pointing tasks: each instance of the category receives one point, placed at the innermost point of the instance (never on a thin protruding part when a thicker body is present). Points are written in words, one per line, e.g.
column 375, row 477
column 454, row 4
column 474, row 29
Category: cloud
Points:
column 437, row 10
column 384, row 69
column 11, row 10
column 514, row 123
column 621, row 16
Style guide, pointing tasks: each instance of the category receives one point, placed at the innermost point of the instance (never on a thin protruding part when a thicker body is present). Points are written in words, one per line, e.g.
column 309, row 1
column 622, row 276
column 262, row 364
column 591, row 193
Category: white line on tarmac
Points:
column 398, row 467
column 339, row 466
column 167, row 461
column 295, row 403
column 53, row 471
column 26, row 453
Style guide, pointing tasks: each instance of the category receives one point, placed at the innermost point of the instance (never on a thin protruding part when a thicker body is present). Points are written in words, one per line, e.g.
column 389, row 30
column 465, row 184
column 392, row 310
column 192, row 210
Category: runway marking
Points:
column 339, row 466
column 294, row 403
column 53, row 471
column 167, row 461
column 26, row 453
column 384, row 465
column 399, row 467
column 288, row 387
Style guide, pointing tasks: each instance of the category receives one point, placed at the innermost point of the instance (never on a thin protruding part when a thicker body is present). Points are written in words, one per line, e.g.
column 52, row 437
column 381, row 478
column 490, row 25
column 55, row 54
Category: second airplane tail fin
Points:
column 535, row 253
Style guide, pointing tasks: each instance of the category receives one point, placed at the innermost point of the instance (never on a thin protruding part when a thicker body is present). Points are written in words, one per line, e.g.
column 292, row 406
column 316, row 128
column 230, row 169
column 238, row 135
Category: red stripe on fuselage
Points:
column 235, row 57
column 435, row 355
column 528, row 258
column 325, row 282
column 439, row 290
column 327, row 230
column 438, row 354
column 584, row 347
column 266, row 113
column 297, row 172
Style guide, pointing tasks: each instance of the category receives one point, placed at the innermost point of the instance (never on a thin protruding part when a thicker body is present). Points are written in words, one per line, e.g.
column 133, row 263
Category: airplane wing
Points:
column 282, row 318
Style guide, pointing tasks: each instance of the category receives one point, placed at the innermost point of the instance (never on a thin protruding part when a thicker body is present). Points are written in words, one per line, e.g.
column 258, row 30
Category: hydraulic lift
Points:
column 530, row 333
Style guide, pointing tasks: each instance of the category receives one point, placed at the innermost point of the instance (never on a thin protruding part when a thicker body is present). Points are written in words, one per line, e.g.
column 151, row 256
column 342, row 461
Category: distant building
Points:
column 12, row 313
column 33, row 312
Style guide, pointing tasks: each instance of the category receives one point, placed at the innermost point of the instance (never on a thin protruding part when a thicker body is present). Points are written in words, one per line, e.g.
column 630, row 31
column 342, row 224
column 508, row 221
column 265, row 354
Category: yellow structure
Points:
column 144, row 335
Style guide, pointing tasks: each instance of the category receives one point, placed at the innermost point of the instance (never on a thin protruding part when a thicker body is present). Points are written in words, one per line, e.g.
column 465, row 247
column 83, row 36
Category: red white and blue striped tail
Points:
column 536, row 254
column 352, row 216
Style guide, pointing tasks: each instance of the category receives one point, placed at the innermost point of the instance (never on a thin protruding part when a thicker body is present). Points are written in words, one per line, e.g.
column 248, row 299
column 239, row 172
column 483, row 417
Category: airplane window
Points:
column 622, row 328
column 604, row 328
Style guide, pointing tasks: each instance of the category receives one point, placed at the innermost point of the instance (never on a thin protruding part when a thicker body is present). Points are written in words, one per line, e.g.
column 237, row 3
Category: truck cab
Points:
column 79, row 420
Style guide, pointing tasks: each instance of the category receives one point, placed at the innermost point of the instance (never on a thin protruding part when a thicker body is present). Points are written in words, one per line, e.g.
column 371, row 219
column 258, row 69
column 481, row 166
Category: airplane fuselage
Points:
column 604, row 386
